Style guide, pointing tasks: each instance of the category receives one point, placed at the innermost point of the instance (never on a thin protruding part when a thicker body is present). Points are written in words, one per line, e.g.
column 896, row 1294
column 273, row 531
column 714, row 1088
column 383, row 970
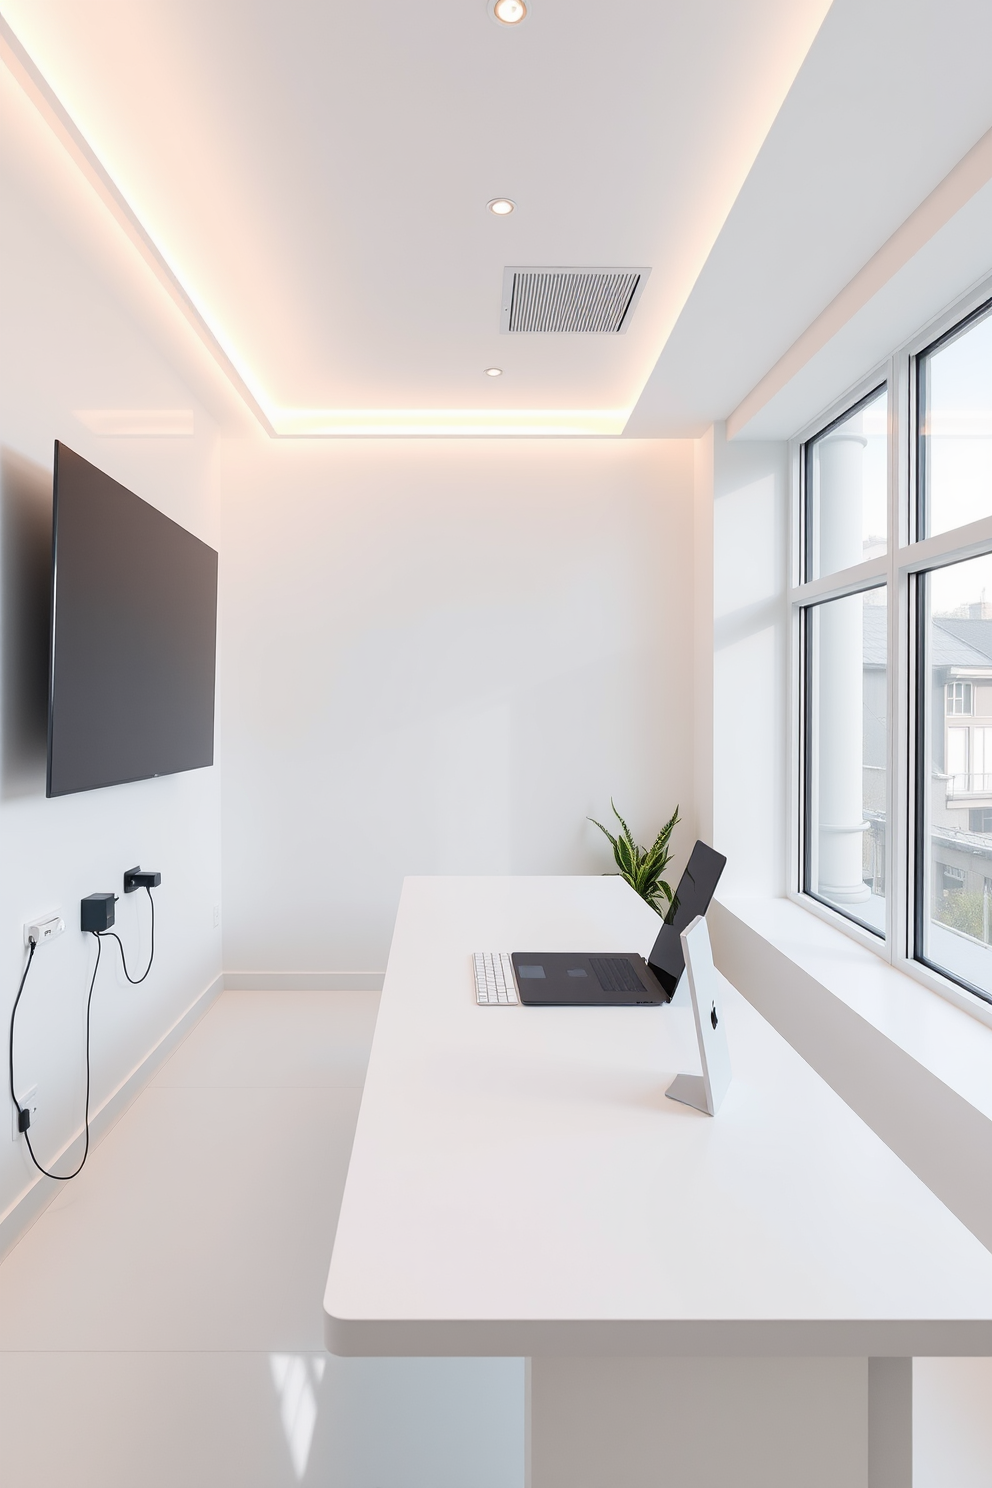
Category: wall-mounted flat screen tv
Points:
column 133, row 637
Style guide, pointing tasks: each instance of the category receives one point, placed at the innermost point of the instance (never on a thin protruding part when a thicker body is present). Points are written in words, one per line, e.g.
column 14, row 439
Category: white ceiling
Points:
column 316, row 176
column 892, row 94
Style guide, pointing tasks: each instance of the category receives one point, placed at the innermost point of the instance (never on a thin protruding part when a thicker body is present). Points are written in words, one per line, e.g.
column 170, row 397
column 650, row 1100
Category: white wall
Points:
column 440, row 656
column 750, row 617
column 85, row 326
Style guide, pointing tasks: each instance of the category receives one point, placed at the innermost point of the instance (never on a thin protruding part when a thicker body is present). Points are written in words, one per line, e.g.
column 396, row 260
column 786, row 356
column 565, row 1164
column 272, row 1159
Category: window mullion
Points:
column 794, row 846
column 848, row 581
column 900, row 720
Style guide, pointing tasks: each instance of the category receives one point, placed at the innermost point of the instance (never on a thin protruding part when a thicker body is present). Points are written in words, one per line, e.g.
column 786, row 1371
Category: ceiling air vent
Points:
column 596, row 302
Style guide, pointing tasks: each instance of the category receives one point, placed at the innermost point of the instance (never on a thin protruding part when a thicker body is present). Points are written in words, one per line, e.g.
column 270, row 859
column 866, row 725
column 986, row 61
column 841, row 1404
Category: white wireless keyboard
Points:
column 494, row 984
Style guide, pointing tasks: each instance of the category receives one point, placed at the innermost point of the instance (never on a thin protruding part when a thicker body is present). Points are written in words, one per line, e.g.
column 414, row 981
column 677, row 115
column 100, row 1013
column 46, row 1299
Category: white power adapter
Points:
column 44, row 929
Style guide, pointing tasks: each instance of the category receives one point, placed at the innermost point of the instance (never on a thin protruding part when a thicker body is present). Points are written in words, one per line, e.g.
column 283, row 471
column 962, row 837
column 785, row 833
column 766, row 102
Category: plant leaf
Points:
column 666, row 831
column 642, row 867
column 609, row 835
column 628, row 834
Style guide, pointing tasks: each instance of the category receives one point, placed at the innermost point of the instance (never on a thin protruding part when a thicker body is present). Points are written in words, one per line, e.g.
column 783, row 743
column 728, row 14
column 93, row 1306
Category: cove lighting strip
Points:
column 447, row 423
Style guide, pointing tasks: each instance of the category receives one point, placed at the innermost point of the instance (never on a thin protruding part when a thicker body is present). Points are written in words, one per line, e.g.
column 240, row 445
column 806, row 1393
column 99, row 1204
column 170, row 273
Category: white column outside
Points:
column 841, row 824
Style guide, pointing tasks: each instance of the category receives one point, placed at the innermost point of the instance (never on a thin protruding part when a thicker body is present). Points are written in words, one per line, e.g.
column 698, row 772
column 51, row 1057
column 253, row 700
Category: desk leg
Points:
column 706, row 1423
column 890, row 1423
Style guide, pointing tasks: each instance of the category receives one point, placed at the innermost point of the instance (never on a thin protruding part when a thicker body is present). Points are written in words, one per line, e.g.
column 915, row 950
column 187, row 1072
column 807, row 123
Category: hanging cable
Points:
column 135, row 981
column 24, row 1115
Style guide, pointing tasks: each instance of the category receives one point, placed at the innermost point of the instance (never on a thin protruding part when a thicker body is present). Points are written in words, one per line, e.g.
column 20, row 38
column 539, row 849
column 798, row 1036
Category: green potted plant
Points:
column 642, row 867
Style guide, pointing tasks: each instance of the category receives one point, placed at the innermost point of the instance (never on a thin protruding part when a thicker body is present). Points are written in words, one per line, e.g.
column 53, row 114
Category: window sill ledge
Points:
column 915, row 1068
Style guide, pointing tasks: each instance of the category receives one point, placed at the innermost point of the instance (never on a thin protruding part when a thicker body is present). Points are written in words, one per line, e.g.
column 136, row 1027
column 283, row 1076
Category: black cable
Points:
column 135, row 981
column 13, row 1014
column 21, row 1113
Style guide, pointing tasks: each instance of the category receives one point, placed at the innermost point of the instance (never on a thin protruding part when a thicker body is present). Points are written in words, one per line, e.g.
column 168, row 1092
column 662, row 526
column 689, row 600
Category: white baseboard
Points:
column 303, row 981
column 25, row 1209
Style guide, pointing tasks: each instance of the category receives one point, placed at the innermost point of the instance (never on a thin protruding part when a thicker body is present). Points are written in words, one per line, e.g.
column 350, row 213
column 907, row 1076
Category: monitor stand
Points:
column 703, row 1092
column 690, row 1090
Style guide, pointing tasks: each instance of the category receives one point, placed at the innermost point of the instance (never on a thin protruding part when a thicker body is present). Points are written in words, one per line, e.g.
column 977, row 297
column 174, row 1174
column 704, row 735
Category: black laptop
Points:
column 623, row 979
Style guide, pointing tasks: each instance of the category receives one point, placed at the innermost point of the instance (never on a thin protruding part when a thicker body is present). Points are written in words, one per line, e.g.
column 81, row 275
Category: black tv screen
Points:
column 133, row 637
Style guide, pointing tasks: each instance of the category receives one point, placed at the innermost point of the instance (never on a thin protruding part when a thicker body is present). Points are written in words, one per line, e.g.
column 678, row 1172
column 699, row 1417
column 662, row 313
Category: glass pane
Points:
column 955, row 930
column 846, row 489
column 845, row 755
column 956, row 429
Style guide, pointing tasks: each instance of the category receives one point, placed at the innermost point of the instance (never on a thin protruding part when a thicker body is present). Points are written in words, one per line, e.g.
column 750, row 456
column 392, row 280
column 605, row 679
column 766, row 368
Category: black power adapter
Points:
column 134, row 878
column 96, row 912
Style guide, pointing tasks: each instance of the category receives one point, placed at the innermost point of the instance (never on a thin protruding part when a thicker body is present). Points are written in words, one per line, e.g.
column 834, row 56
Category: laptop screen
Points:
column 692, row 898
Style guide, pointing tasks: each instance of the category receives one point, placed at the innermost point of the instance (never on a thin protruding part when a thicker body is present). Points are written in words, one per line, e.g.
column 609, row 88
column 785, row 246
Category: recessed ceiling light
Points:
column 501, row 206
column 508, row 12
column 494, row 371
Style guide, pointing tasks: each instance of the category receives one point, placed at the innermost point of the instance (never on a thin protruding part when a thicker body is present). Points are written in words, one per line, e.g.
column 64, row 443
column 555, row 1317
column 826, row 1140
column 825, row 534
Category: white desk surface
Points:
column 519, row 1183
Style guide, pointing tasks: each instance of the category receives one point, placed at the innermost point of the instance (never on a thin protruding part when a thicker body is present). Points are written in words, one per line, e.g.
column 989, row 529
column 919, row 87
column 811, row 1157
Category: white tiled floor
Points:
column 161, row 1324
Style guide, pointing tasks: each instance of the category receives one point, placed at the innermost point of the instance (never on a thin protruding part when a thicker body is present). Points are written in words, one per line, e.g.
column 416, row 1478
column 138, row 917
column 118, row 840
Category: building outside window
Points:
column 955, row 780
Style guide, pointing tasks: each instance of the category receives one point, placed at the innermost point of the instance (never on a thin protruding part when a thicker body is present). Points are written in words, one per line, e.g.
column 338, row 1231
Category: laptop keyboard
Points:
column 614, row 974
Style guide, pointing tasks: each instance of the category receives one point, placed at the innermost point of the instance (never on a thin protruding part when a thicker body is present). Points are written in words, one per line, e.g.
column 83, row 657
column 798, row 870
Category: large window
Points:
column 893, row 627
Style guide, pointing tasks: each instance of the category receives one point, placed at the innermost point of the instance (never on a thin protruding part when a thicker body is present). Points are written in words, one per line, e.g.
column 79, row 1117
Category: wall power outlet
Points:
column 44, row 928
column 29, row 1102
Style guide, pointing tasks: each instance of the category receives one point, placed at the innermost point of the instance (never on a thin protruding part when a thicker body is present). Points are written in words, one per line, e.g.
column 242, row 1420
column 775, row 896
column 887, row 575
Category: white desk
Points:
column 520, row 1185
